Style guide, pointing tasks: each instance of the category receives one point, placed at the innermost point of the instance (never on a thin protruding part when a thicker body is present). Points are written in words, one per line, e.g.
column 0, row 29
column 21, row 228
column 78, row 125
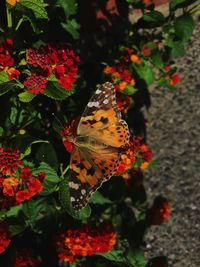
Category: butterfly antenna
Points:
column 57, row 119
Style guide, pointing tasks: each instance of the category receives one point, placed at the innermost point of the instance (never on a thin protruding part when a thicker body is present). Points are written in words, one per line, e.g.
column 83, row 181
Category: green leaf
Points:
column 64, row 197
column 47, row 153
column 178, row 50
column 154, row 17
column 145, row 72
column 13, row 115
column 16, row 229
column 51, row 179
column 69, row 7
column 184, row 26
column 136, row 258
column 55, row 91
column 113, row 255
column 98, row 198
column 130, row 90
column 14, row 211
column 72, row 27
column 26, row 97
column 174, row 4
column 1, row 131
column 157, row 60
column 6, row 86
column 37, row 7
column 4, row 77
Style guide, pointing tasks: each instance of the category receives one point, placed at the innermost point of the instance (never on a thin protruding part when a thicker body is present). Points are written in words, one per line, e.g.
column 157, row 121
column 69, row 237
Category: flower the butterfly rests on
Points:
column 100, row 137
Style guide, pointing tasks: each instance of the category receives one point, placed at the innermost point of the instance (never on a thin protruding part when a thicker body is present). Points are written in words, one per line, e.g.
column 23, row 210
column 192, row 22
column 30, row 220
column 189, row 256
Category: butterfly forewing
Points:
column 101, row 135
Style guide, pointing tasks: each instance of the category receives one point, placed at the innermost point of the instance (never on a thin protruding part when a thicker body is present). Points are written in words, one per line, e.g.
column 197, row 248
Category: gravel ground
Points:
column 174, row 136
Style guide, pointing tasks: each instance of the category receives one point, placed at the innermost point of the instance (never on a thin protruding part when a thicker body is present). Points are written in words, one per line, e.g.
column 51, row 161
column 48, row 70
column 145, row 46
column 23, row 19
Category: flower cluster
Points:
column 51, row 60
column 159, row 212
column 25, row 258
column 173, row 78
column 124, row 102
column 85, row 241
column 5, row 237
column 17, row 182
column 6, row 61
column 120, row 75
column 135, row 151
column 68, row 132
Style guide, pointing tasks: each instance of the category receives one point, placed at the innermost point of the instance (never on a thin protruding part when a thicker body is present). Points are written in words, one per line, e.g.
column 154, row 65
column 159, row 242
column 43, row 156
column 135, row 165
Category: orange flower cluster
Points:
column 124, row 102
column 135, row 150
column 25, row 258
column 85, row 241
column 120, row 76
column 159, row 212
column 17, row 182
column 4, row 237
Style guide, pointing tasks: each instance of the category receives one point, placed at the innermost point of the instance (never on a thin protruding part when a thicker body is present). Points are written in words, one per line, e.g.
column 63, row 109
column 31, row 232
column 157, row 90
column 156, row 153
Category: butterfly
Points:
column 100, row 138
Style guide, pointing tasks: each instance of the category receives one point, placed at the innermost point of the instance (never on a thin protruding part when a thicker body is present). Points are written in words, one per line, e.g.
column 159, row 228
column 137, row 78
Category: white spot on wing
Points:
column 105, row 101
column 93, row 104
column 98, row 91
column 73, row 185
column 72, row 199
column 83, row 191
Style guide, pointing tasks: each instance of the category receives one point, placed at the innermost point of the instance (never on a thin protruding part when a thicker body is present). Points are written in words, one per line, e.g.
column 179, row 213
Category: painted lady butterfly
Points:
column 101, row 135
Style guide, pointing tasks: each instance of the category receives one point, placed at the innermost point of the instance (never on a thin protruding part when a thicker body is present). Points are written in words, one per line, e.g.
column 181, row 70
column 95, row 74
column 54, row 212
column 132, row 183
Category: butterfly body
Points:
column 100, row 137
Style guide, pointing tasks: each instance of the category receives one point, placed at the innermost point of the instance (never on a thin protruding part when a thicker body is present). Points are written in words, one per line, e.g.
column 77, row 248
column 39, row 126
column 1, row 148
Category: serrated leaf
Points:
column 64, row 198
column 4, row 77
column 51, row 178
column 26, row 97
column 136, row 258
column 69, row 7
column 72, row 27
column 184, row 26
column 178, row 50
column 130, row 90
column 174, row 4
column 154, row 17
column 55, row 91
column 16, row 229
column 5, row 84
column 113, row 255
column 37, row 7
column 98, row 198
column 157, row 60
column 145, row 72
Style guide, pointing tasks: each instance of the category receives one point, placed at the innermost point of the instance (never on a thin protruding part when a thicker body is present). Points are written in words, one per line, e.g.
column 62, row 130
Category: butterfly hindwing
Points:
column 88, row 170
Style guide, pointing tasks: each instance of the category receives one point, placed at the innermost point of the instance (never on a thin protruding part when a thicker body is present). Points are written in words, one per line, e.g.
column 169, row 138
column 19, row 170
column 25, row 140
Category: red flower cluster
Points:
column 85, row 241
column 60, row 61
column 174, row 79
column 120, row 76
column 68, row 132
column 25, row 258
column 159, row 212
column 35, row 83
column 9, row 160
column 5, row 58
column 124, row 102
column 5, row 237
column 17, row 184
column 135, row 150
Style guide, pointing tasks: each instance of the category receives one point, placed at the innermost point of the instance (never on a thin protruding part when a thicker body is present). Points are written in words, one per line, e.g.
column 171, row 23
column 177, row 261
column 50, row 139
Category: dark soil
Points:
column 174, row 136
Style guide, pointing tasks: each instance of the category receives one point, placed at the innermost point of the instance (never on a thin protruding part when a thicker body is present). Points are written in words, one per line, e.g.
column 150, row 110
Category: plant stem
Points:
column 9, row 17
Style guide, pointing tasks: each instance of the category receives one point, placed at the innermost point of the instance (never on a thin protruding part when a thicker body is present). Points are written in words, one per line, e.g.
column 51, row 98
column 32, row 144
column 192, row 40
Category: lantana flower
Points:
column 85, row 241
column 17, row 182
column 5, row 236
column 159, row 212
column 51, row 59
column 25, row 258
